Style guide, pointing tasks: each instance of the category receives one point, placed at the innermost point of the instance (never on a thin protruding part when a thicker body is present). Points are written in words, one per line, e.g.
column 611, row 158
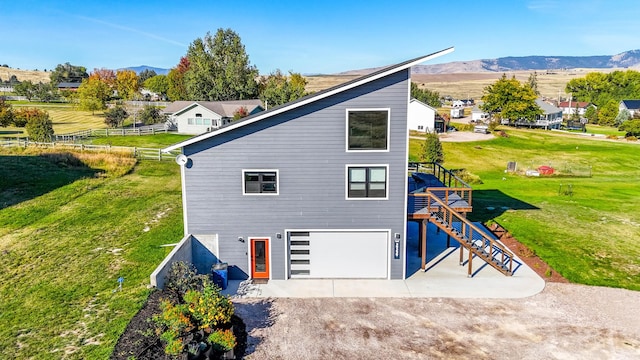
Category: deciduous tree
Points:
column 151, row 115
column 39, row 126
column 219, row 69
column 68, row 73
column 159, row 84
column 126, row 84
column 26, row 89
column 607, row 113
column 6, row 113
column 93, row 94
column 277, row 88
column 176, row 86
column 116, row 116
column 510, row 100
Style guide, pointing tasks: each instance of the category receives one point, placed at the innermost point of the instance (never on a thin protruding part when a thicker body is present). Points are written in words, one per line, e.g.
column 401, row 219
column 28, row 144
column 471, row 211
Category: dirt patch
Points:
column 527, row 255
column 140, row 339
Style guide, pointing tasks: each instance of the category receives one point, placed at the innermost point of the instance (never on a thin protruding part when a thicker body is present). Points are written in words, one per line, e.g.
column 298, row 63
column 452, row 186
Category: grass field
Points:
column 68, row 229
column 65, row 119
column 150, row 141
column 589, row 236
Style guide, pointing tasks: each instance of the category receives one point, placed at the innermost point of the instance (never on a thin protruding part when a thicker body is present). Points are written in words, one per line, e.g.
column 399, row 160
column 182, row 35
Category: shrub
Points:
column 468, row 177
column 631, row 138
column 612, row 137
column 222, row 340
column 183, row 277
column 188, row 326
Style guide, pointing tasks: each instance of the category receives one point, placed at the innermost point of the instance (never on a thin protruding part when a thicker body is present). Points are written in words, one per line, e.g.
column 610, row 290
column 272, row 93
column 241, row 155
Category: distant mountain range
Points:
column 627, row 59
column 141, row 68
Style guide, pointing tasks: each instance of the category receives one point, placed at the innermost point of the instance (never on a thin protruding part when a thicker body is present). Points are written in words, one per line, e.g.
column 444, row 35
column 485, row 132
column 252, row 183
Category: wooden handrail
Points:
column 448, row 215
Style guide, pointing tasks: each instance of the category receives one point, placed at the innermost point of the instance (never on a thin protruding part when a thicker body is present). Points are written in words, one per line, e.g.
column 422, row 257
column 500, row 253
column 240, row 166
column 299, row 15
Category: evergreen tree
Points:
column 432, row 148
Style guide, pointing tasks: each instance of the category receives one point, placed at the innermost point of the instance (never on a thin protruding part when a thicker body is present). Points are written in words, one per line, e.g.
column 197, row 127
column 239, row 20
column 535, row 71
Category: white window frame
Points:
column 346, row 126
column 346, row 181
column 244, row 190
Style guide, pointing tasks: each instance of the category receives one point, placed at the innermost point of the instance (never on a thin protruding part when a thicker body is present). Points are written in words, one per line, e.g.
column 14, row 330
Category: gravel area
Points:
column 565, row 321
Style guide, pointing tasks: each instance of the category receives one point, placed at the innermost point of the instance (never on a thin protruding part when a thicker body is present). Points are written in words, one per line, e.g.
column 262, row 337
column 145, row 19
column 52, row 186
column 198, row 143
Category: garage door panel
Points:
column 333, row 254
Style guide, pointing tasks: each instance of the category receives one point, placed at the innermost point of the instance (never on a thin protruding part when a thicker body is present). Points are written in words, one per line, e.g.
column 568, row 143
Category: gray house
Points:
column 315, row 188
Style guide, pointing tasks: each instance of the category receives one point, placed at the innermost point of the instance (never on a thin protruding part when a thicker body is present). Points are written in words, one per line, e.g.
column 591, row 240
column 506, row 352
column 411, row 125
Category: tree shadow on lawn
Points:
column 490, row 204
column 27, row 177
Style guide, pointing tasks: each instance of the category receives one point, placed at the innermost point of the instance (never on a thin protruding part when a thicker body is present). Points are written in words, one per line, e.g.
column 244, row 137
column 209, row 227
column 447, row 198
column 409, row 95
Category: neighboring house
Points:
column 551, row 117
column 315, row 188
column 478, row 115
column 69, row 86
column 633, row 106
column 197, row 117
column 569, row 107
column 424, row 118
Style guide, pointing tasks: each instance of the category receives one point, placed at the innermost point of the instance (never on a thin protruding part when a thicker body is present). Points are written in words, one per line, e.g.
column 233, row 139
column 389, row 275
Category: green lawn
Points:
column 151, row 141
column 67, row 232
column 589, row 237
column 65, row 119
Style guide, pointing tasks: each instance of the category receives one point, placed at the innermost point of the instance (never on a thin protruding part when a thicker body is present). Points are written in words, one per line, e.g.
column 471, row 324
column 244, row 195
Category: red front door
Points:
column 259, row 258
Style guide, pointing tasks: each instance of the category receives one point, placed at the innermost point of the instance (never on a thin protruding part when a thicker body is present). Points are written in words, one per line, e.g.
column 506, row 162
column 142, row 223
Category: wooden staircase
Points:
column 476, row 240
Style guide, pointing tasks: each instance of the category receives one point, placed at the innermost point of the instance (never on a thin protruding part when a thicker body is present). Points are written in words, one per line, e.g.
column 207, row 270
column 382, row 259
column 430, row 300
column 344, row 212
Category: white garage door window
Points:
column 339, row 254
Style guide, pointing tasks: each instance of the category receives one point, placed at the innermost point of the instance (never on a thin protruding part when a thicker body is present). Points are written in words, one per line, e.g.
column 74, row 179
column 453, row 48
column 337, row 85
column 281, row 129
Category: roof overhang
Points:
column 312, row 98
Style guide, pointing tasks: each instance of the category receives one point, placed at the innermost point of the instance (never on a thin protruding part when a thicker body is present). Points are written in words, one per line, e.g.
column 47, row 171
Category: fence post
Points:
column 134, row 152
column 159, row 155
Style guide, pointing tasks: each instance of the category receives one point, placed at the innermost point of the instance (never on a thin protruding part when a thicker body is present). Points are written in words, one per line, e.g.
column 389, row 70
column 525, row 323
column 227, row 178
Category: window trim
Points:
column 368, row 166
column 244, row 190
column 346, row 131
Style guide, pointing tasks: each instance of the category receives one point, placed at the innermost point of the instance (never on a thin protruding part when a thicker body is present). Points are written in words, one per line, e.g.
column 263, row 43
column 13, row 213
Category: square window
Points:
column 367, row 182
column 367, row 130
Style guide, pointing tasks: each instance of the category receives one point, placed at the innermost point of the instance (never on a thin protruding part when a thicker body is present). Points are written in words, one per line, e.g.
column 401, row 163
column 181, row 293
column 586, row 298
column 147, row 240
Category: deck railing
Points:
column 454, row 197
column 454, row 193
column 469, row 235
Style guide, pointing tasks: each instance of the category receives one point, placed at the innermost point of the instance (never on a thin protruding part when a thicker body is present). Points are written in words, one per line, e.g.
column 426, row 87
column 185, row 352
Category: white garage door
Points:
column 339, row 254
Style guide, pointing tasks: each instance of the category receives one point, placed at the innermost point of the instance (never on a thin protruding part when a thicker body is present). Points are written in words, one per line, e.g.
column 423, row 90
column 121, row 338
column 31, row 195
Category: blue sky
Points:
column 311, row 36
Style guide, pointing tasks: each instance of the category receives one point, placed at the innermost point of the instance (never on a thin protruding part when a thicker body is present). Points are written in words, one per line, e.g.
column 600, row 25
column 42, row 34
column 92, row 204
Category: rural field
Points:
column 469, row 85
column 65, row 118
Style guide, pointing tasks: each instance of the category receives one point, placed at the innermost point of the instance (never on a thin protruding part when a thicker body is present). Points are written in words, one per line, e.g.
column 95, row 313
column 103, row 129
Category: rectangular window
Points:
column 260, row 182
column 366, row 182
column 191, row 121
column 367, row 130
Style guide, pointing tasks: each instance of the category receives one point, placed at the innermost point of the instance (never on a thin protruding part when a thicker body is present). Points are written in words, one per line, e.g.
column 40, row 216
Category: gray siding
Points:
column 307, row 146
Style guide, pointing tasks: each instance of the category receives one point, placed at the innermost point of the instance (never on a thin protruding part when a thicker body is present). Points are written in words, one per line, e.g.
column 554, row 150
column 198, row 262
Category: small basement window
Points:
column 264, row 182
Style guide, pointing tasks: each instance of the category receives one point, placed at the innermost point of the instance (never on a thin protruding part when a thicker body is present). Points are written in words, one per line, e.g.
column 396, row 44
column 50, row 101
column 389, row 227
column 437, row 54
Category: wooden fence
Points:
column 83, row 134
column 137, row 152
